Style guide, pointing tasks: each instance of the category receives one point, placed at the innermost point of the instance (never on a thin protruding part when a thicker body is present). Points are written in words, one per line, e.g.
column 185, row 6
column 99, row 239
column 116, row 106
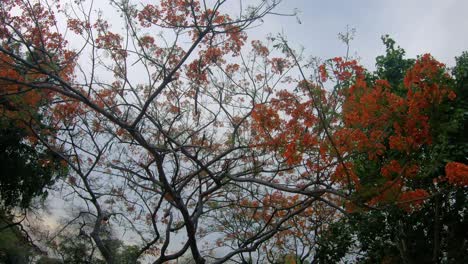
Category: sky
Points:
column 419, row 26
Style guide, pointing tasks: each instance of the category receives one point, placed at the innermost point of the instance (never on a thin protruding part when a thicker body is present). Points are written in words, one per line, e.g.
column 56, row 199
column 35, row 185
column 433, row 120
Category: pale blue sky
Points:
column 419, row 26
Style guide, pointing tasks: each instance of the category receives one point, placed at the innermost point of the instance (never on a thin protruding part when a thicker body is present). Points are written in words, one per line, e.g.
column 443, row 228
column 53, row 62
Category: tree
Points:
column 178, row 130
column 27, row 167
column 72, row 248
column 26, row 170
column 14, row 246
column 420, row 211
column 167, row 152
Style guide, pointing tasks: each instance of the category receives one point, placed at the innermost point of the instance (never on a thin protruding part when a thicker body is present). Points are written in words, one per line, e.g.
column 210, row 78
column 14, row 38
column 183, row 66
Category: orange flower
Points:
column 452, row 95
column 412, row 200
column 323, row 73
column 457, row 173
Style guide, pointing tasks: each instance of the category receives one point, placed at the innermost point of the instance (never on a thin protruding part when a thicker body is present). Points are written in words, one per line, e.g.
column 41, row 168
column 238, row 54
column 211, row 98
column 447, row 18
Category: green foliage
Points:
column 128, row 255
column 25, row 169
column 80, row 249
column 47, row 260
column 461, row 70
column 392, row 66
column 334, row 243
column 14, row 248
column 459, row 137
column 394, row 236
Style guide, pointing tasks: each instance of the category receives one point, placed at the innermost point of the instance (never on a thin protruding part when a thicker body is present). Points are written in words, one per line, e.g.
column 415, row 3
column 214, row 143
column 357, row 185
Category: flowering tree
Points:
column 406, row 123
column 167, row 150
column 173, row 131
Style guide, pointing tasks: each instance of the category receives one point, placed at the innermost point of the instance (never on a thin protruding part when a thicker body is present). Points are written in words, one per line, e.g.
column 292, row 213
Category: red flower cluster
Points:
column 413, row 200
column 284, row 125
column 457, row 173
column 385, row 124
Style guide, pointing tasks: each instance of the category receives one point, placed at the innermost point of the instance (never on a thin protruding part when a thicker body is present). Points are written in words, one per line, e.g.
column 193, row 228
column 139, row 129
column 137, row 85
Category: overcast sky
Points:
column 439, row 27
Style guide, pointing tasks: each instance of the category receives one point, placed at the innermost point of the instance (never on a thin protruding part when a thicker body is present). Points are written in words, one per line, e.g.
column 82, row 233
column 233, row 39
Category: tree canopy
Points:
column 181, row 136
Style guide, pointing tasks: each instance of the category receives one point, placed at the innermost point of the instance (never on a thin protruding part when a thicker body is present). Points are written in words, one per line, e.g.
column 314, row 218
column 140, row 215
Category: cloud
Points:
column 437, row 27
